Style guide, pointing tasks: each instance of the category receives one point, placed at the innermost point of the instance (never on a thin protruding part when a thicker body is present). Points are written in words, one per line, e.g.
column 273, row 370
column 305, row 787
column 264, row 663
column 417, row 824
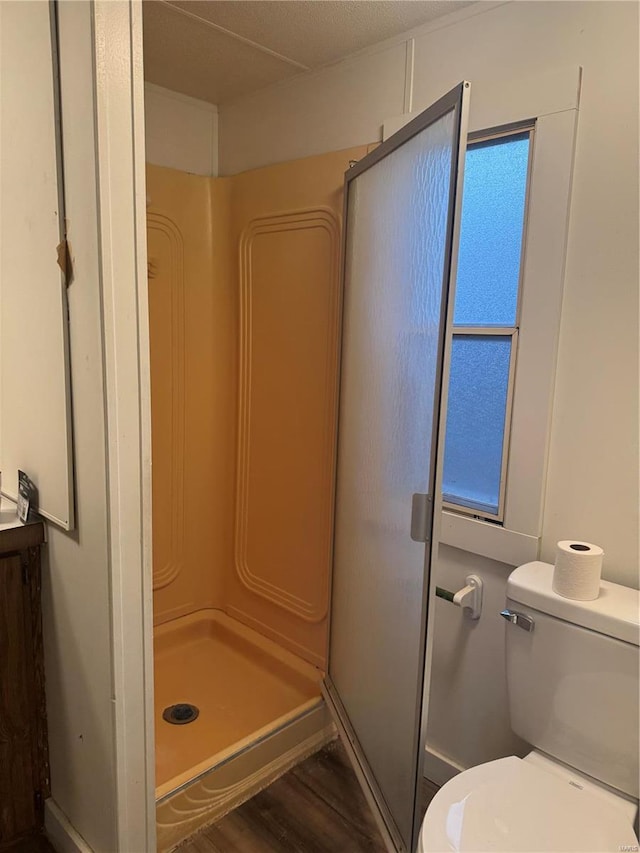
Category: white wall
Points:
column 592, row 488
column 340, row 107
column 592, row 481
column 97, row 593
column 181, row 132
column 76, row 595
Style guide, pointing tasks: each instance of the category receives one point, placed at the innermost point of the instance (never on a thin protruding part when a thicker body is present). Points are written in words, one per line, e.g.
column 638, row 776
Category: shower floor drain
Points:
column 181, row 714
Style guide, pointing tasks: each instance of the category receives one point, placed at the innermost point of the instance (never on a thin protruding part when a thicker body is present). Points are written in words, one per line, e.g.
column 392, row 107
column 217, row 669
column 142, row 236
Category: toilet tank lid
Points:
column 616, row 612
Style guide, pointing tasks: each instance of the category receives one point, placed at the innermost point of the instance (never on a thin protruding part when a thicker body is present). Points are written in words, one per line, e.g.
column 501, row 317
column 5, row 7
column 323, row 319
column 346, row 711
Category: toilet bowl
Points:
column 572, row 682
column 515, row 804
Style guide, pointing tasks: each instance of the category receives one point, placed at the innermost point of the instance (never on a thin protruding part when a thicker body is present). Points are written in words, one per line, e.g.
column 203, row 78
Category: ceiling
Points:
column 218, row 50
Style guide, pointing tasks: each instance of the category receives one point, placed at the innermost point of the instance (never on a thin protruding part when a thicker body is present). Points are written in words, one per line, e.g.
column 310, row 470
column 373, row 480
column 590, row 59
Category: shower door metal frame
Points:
column 457, row 99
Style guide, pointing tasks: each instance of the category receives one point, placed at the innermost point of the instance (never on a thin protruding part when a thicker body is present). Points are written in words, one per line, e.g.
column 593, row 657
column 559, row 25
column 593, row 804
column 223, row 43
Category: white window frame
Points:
column 459, row 330
column 486, row 332
column 550, row 102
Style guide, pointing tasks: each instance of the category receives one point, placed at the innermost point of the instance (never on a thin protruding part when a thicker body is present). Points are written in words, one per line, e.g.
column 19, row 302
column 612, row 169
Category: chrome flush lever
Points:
column 518, row 618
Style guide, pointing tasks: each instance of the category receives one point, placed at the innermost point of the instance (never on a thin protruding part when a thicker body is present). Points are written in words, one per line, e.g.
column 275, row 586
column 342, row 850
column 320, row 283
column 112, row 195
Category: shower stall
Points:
column 244, row 319
column 272, row 508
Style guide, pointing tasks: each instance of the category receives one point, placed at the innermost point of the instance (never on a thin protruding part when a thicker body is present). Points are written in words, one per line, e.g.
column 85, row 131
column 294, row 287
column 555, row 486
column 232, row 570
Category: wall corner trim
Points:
column 439, row 768
column 62, row 833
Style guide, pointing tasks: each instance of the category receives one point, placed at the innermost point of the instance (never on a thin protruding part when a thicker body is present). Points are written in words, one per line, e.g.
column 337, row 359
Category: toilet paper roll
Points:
column 577, row 570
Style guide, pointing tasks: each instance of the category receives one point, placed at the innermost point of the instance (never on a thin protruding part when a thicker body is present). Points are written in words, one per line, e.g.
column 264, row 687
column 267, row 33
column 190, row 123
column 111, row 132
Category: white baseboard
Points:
column 439, row 768
column 61, row 833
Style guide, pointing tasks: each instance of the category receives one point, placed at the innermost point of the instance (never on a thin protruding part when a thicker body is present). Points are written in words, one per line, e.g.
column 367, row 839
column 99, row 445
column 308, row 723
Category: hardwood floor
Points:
column 429, row 790
column 317, row 807
column 35, row 844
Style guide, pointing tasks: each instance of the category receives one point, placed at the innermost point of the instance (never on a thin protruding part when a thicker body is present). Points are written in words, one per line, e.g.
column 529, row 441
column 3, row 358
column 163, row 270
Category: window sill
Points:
column 488, row 540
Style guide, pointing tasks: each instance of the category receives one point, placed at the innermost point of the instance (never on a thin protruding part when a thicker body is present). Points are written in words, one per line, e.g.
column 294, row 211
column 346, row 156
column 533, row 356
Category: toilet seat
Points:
column 512, row 805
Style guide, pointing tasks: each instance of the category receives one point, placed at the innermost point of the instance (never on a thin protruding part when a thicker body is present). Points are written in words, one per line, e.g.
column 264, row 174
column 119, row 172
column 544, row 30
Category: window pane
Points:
column 476, row 420
column 495, row 183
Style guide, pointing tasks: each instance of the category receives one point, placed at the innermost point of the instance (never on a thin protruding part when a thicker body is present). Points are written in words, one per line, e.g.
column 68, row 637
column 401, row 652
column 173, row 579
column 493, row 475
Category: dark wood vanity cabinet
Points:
column 24, row 764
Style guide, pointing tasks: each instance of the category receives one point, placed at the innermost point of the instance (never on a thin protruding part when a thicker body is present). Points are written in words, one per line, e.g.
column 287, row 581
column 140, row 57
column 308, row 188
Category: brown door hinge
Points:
column 64, row 261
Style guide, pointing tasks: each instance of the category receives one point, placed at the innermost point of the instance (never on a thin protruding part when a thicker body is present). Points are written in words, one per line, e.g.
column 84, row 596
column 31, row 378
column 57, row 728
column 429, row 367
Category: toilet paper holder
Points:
column 469, row 597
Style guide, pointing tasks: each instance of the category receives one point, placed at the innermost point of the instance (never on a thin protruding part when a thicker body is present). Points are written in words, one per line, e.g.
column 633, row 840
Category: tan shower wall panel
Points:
column 193, row 350
column 286, row 224
column 287, row 384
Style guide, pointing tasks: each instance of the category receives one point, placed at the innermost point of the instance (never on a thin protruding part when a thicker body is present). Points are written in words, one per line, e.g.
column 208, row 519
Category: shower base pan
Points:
column 260, row 713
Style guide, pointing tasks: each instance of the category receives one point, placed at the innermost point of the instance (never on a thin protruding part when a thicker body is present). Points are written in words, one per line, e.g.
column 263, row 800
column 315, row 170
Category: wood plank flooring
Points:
column 429, row 790
column 317, row 807
column 35, row 844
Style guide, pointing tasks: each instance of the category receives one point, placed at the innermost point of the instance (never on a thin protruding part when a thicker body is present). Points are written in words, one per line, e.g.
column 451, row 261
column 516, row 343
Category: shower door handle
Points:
column 421, row 518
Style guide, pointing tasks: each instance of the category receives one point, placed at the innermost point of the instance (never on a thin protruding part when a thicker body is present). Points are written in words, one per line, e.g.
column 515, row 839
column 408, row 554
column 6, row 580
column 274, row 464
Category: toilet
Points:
column 572, row 679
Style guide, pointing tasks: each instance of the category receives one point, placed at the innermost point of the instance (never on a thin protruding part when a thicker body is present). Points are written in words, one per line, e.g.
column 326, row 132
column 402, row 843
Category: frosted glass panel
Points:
column 495, row 182
column 395, row 268
column 476, row 414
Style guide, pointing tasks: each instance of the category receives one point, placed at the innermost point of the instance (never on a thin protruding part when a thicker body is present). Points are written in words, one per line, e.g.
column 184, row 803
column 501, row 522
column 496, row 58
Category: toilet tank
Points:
column 573, row 679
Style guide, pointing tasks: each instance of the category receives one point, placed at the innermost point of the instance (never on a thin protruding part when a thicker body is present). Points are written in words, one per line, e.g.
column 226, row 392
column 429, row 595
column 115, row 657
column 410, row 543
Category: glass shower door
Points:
column 400, row 204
